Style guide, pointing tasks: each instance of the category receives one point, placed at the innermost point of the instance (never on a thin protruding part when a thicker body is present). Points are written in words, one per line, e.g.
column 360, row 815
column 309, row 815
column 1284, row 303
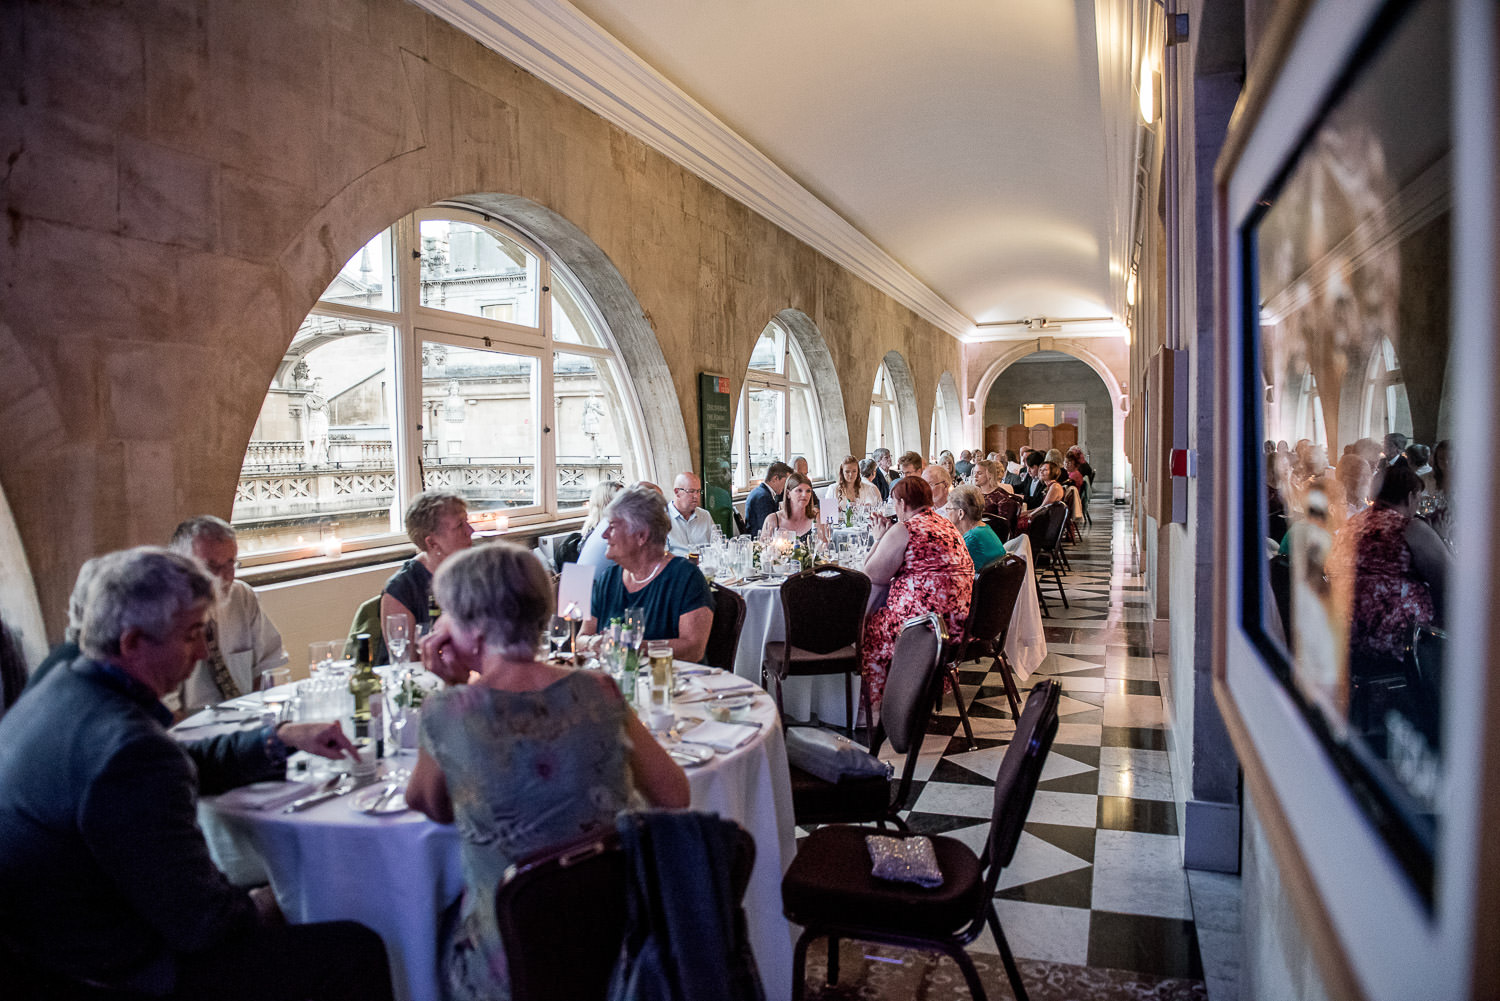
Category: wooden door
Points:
column 1064, row 437
column 1015, row 436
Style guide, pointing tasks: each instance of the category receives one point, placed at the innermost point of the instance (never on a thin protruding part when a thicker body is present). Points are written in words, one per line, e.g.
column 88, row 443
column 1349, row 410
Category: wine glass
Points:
column 398, row 636
column 558, row 631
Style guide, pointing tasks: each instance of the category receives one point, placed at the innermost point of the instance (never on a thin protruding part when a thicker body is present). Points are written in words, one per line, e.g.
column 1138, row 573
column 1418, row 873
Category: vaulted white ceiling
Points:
column 973, row 164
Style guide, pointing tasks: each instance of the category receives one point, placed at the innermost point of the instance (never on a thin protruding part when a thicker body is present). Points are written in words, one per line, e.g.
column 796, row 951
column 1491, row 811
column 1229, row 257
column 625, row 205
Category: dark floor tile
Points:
column 942, row 724
column 941, row 823
column 1078, row 841
column 1141, row 738
column 1167, row 947
column 1070, row 889
column 960, row 743
column 1083, row 782
column 1147, row 816
column 1078, row 752
column 1142, row 687
column 947, row 771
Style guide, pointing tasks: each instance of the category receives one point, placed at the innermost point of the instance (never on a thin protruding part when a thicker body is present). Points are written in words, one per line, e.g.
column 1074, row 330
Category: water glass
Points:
column 276, row 692
column 398, row 636
column 322, row 654
column 558, row 631
column 660, row 654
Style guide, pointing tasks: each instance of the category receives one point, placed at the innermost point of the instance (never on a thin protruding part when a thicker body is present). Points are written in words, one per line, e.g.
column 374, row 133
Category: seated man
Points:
column 765, row 498
column 241, row 640
column 911, row 464
column 105, row 880
column 965, row 464
column 1033, row 488
column 883, row 475
column 938, row 479
column 799, row 464
column 691, row 525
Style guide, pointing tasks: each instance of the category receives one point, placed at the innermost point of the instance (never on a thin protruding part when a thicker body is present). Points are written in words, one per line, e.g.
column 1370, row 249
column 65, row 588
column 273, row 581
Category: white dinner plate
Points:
column 364, row 801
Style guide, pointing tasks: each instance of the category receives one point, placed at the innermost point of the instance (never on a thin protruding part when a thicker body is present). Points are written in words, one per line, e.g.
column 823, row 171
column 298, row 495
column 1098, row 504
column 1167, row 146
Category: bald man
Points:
column 691, row 524
column 938, row 479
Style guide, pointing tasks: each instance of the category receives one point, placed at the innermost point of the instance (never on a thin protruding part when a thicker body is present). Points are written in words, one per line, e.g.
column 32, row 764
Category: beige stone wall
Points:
column 182, row 179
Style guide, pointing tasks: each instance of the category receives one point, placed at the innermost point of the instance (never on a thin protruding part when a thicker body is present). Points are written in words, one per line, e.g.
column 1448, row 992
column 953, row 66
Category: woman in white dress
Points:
column 849, row 489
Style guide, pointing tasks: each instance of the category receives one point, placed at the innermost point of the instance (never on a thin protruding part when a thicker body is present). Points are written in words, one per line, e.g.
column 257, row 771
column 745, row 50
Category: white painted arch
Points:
column 1117, row 395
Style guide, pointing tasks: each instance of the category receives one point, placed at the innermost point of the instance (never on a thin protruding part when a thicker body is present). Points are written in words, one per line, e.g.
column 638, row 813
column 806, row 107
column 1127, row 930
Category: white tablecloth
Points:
column 397, row 873
column 1025, row 644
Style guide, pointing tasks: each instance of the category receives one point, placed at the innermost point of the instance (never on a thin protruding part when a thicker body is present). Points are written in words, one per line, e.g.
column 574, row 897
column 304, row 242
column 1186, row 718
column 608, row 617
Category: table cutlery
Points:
column 390, row 790
column 341, row 786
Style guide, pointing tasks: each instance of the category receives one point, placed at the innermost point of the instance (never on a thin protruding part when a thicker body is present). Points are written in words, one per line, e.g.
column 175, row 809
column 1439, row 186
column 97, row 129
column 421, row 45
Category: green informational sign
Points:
column 715, row 426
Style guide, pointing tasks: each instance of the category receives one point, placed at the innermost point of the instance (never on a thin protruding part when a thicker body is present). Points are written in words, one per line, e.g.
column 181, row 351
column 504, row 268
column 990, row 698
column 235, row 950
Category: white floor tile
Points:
column 1044, row 931
column 1124, row 771
column 1082, row 734
column 1138, row 873
column 1069, row 808
column 1134, row 710
column 1036, row 859
column 956, row 800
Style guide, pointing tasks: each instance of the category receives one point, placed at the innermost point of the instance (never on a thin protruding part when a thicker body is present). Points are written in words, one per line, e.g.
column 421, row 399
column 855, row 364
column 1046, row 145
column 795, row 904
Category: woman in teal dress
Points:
column 525, row 757
column 966, row 507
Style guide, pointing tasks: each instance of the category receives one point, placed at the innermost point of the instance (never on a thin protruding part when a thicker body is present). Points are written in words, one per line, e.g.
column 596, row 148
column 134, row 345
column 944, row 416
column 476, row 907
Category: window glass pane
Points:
column 804, row 439
column 766, row 428
column 366, row 279
column 767, row 354
column 570, row 323
column 320, row 461
column 475, row 271
column 479, row 423
column 873, row 429
column 796, row 368
column 592, row 427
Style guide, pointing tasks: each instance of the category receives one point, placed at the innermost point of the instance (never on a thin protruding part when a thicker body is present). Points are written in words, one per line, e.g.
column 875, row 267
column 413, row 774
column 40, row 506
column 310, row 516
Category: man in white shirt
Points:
column 242, row 642
column 938, row 479
column 691, row 524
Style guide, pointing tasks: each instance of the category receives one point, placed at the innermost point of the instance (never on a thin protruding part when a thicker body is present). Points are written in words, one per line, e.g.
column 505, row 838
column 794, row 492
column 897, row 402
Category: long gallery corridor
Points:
column 1096, row 903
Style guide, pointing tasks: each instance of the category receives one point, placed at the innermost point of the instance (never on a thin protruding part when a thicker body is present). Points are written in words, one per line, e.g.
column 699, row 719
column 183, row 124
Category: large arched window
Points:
column 777, row 417
column 1386, row 407
column 453, row 353
column 884, row 429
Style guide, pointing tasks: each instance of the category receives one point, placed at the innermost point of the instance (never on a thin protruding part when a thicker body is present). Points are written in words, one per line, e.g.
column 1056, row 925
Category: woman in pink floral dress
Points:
column 923, row 559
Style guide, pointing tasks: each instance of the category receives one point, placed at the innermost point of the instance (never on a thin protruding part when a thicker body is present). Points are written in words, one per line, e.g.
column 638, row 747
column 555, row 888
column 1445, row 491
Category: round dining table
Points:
column 397, row 872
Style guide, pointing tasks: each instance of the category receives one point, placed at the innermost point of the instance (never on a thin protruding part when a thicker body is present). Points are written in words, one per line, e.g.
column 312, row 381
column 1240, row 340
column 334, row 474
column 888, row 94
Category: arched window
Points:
column 450, row 353
column 1385, row 405
column 777, row 417
column 884, row 429
column 1309, row 411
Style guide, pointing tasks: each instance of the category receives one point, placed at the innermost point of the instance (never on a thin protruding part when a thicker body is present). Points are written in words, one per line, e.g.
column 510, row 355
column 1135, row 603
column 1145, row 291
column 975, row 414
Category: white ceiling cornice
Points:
column 558, row 43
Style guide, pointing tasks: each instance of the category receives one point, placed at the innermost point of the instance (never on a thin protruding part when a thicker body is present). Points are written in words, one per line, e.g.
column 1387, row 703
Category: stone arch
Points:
column 1117, row 395
column 906, row 399
column 825, row 381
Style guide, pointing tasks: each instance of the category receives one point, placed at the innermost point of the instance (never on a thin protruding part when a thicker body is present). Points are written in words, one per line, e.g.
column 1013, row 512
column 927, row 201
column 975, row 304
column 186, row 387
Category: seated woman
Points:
column 992, row 490
column 965, row 504
column 437, row 522
column 850, row 489
column 1395, row 567
column 923, row 560
column 669, row 590
column 798, row 513
column 591, row 550
column 1051, row 492
column 529, row 756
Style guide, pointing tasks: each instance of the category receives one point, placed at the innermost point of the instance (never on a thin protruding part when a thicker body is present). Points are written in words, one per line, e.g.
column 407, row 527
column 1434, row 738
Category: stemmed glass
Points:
column 398, row 636
column 558, row 631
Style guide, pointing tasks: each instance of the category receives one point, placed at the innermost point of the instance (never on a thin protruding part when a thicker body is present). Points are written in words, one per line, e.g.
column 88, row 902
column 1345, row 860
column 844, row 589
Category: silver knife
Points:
column 385, row 797
column 306, row 802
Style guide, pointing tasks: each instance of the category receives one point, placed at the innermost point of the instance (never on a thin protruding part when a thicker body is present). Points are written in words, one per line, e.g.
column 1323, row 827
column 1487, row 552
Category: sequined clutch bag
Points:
column 905, row 860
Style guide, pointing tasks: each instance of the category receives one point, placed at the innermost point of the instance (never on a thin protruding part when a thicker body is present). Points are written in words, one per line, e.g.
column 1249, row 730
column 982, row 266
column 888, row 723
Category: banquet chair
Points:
column 998, row 525
column 830, row 891
column 724, row 634
column 1073, row 502
column 996, row 589
column 562, row 916
column 1010, row 510
column 907, row 707
column 1046, row 531
column 823, row 612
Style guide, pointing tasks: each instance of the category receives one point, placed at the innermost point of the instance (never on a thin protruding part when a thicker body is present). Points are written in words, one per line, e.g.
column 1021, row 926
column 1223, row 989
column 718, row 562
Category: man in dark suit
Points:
column 883, row 477
column 106, row 882
column 1033, row 488
column 764, row 498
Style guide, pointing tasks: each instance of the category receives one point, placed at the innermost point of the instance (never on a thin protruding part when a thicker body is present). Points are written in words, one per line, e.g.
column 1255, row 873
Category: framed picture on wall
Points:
column 1349, row 628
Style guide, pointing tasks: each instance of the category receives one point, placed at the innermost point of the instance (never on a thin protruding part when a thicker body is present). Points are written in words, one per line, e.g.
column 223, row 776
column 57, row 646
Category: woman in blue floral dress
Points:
column 525, row 757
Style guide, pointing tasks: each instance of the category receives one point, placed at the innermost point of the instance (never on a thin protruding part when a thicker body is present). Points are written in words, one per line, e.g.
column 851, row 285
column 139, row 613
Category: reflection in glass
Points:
column 783, row 410
column 479, row 421
column 1353, row 301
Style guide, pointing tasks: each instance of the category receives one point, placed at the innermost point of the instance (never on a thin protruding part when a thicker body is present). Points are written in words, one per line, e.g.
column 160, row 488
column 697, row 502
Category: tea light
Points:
column 333, row 547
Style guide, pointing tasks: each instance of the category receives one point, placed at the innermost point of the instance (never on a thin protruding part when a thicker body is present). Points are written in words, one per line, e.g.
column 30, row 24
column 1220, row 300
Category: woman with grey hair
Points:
column 437, row 522
column 526, row 756
column 673, row 596
column 967, row 504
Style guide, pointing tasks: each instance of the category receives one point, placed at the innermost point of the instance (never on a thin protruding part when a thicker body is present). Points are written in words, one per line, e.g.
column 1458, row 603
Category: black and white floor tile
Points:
column 1097, row 881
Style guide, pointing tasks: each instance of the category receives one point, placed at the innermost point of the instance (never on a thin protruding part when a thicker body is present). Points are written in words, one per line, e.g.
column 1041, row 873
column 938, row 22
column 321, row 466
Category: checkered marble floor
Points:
column 1096, row 881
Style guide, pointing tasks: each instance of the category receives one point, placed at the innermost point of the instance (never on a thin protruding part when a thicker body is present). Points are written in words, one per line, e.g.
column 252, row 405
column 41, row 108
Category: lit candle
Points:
column 333, row 547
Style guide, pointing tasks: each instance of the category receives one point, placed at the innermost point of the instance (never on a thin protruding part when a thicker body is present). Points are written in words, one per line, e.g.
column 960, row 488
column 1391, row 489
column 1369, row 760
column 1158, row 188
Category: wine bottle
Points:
column 364, row 685
column 433, row 611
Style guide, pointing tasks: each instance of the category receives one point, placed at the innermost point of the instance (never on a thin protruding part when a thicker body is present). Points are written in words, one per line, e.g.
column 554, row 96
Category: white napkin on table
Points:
column 720, row 736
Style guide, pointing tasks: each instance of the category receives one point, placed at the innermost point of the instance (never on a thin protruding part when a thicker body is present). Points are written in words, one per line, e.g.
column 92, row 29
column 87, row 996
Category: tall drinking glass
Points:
column 398, row 636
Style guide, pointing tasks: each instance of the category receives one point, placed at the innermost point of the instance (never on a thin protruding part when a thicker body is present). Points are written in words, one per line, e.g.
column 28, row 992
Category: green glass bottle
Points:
column 364, row 685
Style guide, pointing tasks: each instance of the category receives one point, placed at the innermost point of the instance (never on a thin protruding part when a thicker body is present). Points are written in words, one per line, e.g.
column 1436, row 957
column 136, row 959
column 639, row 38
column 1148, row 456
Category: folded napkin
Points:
column 267, row 796
column 720, row 736
column 723, row 682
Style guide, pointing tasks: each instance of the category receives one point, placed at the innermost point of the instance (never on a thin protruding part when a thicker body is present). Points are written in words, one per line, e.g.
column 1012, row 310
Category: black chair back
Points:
column 1015, row 783
column 1010, row 509
column 566, row 550
column 824, row 608
column 996, row 591
column 562, row 915
column 724, row 634
column 998, row 525
column 1046, row 528
column 915, row 663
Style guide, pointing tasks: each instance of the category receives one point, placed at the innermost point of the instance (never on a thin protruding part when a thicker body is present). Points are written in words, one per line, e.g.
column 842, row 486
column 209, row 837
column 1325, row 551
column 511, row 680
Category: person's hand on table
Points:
column 440, row 656
column 326, row 740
